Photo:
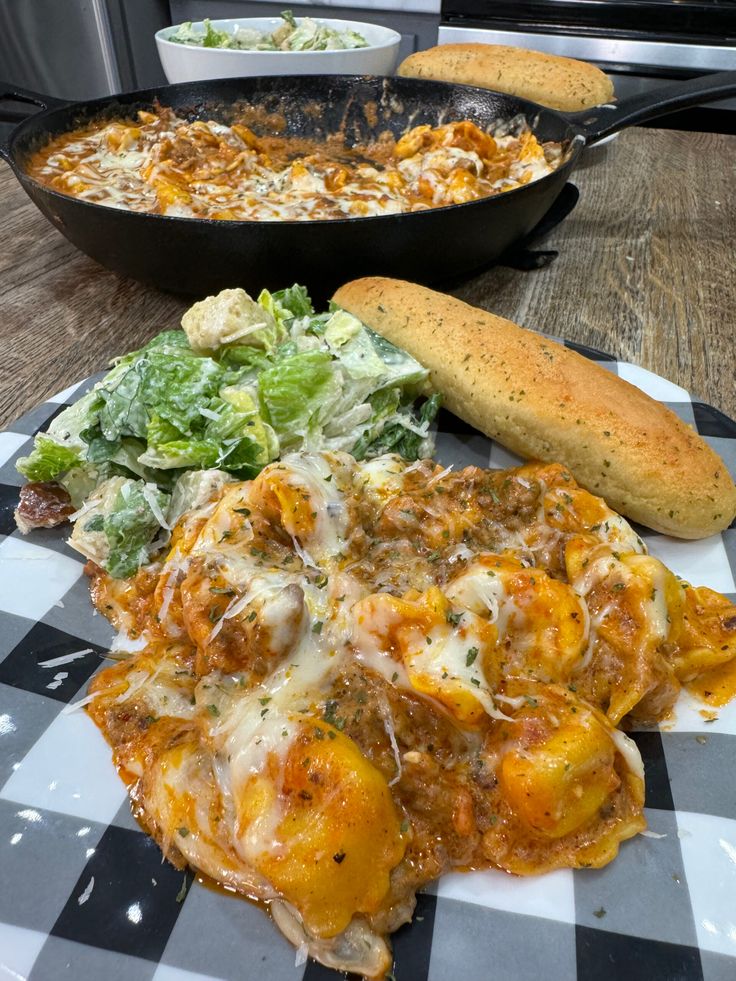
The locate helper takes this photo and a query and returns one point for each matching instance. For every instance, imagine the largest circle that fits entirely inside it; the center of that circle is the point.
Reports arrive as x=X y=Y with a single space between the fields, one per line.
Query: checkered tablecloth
x=84 y=893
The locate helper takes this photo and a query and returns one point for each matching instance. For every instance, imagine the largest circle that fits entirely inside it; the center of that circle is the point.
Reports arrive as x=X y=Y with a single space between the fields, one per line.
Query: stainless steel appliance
x=641 y=44
x=80 y=49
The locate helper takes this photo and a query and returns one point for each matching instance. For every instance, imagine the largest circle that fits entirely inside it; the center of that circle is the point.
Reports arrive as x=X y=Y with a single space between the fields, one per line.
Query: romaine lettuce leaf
x=400 y=368
x=119 y=456
x=99 y=449
x=69 y=424
x=169 y=341
x=247 y=361
x=383 y=405
x=296 y=391
x=62 y=446
x=244 y=458
x=239 y=417
x=399 y=434
x=118 y=524
x=214 y=38
x=351 y=39
x=341 y=328
x=48 y=459
x=296 y=300
x=285 y=305
x=316 y=324
x=170 y=384
x=160 y=431
x=128 y=460
x=131 y=526
x=182 y=453
x=359 y=358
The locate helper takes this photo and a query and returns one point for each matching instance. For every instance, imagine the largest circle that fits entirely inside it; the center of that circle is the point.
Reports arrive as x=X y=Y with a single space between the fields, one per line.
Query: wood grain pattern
x=645 y=272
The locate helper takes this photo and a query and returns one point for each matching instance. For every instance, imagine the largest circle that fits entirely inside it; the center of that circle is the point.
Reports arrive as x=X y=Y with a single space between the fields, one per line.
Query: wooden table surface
x=645 y=271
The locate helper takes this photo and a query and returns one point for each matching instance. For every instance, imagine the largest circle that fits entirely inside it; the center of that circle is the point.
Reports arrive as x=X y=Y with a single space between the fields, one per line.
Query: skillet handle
x=10 y=116
x=601 y=121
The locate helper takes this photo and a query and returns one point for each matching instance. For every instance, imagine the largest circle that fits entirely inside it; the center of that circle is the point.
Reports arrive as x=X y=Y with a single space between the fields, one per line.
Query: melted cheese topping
x=354 y=676
x=166 y=165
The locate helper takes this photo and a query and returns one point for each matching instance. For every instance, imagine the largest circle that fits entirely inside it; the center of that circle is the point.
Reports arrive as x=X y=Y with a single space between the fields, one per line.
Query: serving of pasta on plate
x=342 y=670
x=351 y=678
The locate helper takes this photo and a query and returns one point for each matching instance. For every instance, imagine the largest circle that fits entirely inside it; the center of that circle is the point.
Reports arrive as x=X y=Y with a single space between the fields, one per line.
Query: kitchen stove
x=641 y=44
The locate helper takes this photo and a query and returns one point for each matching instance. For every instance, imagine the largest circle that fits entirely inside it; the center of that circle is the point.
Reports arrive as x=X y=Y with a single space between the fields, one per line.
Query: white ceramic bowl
x=188 y=63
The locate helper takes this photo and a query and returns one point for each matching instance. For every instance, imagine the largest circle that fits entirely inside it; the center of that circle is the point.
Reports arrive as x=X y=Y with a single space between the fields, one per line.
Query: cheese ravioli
x=165 y=164
x=351 y=678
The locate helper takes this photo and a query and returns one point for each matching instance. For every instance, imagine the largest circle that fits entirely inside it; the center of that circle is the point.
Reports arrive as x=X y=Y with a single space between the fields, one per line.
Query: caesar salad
x=242 y=383
x=305 y=34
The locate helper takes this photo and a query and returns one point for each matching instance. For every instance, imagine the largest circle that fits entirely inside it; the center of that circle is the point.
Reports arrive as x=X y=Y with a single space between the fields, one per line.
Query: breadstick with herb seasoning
x=546 y=402
x=551 y=80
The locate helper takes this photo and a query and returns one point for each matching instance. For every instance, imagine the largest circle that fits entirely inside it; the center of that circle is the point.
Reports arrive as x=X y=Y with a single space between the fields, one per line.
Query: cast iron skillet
x=203 y=256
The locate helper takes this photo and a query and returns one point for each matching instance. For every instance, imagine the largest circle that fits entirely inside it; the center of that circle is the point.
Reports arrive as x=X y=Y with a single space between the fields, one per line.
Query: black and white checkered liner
x=85 y=895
